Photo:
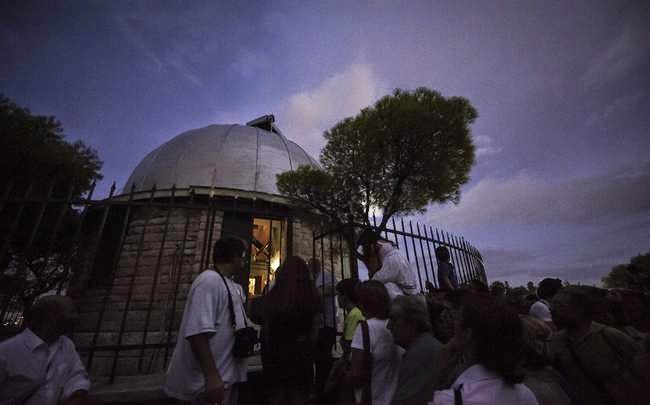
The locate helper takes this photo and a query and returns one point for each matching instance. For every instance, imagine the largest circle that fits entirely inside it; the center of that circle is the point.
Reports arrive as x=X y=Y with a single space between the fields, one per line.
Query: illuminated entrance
x=268 y=250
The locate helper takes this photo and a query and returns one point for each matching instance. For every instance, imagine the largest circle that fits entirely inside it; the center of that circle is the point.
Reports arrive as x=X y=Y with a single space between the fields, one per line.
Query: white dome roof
x=223 y=156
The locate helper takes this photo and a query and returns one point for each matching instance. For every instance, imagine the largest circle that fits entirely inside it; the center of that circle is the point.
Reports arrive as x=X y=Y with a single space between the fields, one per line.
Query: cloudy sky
x=561 y=185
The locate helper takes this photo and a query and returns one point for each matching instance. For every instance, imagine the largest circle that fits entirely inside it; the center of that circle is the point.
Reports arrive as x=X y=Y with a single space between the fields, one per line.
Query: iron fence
x=128 y=261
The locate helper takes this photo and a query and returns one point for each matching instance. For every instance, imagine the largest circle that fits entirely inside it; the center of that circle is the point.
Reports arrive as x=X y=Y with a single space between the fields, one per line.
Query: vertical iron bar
x=178 y=279
x=454 y=254
x=374 y=220
x=116 y=261
x=428 y=243
x=406 y=246
x=459 y=255
x=100 y=231
x=87 y=202
x=212 y=216
x=395 y=233
x=57 y=225
x=147 y=319
x=466 y=259
x=424 y=259
x=451 y=257
x=205 y=232
x=415 y=255
x=436 y=240
x=132 y=281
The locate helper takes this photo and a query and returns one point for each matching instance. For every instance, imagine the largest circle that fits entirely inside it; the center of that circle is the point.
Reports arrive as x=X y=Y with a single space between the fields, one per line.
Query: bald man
x=40 y=365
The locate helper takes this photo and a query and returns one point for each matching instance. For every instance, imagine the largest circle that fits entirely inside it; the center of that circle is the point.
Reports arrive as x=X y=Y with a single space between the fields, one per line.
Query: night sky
x=561 y=186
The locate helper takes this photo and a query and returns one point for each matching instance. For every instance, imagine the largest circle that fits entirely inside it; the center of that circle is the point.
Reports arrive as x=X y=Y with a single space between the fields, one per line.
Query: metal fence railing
x=128 y=261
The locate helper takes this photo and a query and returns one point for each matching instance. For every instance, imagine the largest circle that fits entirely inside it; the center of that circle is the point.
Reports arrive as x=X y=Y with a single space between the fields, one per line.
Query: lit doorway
x=268 y=250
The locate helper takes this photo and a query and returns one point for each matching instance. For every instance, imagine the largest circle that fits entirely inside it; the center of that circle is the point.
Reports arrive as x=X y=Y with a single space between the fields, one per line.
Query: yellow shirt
x=351 y=321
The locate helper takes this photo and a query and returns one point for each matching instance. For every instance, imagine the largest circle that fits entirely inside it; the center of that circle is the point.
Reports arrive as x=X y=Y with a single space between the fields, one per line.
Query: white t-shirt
x=480 y=386
x=206 y=311
x=386 y=357
x=35 y=373
x=541 y=310
x=395 y=272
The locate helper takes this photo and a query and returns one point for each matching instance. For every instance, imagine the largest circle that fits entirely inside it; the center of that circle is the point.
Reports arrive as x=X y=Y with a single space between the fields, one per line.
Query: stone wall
x=303 y=242
x=158 y=261
x=156 y=266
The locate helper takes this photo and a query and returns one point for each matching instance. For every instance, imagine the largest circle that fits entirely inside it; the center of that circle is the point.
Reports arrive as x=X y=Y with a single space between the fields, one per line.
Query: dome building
x=201 y=185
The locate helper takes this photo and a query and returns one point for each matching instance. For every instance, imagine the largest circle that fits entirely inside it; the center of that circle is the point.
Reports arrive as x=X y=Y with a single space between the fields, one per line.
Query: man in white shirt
x=203 y=369
x=546 y=290
x=387 y=265
x=40 y=366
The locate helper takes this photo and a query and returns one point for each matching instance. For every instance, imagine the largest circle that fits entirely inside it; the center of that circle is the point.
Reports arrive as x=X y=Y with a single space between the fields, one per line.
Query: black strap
x=230 y=304
x=366 y=395
x=458 y=396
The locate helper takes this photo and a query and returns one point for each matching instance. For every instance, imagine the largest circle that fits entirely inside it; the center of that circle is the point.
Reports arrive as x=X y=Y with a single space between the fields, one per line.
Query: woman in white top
x=490 y=335
x=383 y=370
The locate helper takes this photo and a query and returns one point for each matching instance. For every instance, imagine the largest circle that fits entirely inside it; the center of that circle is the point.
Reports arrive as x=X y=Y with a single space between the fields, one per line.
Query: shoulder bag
x=246 y=338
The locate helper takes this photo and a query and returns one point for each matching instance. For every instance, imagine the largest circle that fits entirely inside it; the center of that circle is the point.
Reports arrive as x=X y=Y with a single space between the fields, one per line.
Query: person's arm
x=77 y=384
x=204 y=303
x=214 y=388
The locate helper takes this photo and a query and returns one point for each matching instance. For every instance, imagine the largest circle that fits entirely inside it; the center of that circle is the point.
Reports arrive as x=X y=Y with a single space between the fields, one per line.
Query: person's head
x=314 y=266
x=346 y=293
x=572 y=306
x=498 y=289
x=294 y=289
x=369 y=242
x=228 y=255
x=408 y=319
x=374 y=300
x=492 y=334
x=442 y=254
x=548 y=288
x=370 y=247
x=52 y=316
x=477 y=286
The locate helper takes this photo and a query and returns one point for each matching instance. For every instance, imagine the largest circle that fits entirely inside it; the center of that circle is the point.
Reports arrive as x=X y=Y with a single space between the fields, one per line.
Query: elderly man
x=40 y=366
x=409 y=323
x=387 y=265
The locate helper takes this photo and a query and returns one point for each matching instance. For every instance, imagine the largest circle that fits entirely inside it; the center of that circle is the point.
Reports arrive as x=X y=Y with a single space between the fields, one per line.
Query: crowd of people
x=453 y=344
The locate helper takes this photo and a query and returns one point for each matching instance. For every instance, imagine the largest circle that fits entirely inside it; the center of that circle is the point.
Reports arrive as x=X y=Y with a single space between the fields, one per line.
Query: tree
x=37 y=164
x=634 y=275
x=408 y=150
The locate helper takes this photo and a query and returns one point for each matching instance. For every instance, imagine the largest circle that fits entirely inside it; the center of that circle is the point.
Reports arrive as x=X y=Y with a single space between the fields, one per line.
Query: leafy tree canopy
x=33 y=151
x=408 y=150
x=634 y=275
x=37 y=248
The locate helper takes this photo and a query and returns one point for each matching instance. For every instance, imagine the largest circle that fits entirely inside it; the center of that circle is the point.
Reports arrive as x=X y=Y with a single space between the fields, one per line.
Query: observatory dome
x=242 y=157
